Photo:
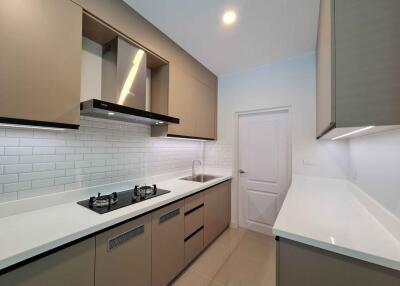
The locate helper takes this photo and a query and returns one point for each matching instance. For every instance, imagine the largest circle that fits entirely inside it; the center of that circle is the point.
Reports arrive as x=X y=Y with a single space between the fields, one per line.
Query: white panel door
x=264 y=168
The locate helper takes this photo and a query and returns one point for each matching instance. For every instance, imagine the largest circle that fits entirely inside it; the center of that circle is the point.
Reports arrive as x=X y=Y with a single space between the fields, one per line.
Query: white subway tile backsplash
x=5 y=197
x=41 y=175
x=18 y=151
x=44 y=166
x=8 y=160
x=82 y=164
x=65 y=150
x=41 y=158
x=65 y=165
x=37 y=162
x=19 y=132
x=10 y=178
x=42 y=183
x=17 y=168
x=44 y=150
x=15 y=187
x=6 y=141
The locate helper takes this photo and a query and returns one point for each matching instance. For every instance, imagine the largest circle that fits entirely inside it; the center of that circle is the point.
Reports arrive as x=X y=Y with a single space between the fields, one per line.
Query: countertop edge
x=339 y=249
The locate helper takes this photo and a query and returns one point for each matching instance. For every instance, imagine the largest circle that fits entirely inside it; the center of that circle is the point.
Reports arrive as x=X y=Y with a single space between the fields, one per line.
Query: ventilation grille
x=122 y=238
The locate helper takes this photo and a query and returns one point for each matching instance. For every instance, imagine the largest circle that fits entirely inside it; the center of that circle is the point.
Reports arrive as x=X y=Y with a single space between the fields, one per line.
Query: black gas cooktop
x=107 y=203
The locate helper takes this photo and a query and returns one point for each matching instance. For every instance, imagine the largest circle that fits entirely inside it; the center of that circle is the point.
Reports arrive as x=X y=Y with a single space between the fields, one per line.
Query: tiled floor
x=237 y=258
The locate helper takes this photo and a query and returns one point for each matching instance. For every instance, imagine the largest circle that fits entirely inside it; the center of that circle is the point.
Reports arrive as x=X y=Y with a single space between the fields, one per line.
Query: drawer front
x=194 y=201
x=193 y=246
x=194 y=220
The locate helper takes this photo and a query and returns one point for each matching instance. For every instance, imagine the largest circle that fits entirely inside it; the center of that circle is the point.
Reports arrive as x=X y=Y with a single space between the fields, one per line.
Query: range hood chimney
x=123 y=87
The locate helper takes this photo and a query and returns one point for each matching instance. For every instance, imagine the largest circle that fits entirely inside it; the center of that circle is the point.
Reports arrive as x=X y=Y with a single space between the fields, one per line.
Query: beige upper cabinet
x=191 y=91
x=358 y=67
x=40 y=77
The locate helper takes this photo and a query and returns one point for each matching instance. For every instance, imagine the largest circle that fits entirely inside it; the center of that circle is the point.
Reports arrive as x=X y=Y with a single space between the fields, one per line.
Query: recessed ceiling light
x=229 y=17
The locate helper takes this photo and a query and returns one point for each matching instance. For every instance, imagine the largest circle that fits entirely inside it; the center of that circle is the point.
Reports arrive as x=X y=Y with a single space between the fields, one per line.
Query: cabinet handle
x=125 y=237
x=194 y=209
x=170 y=215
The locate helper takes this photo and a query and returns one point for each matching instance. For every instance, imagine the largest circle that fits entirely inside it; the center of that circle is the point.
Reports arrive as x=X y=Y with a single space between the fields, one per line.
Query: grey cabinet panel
x=358 y=66
x=71 y=266
x=367 y=62
x=41 y=60
x=123 y=254
x=325 y=68
x=167 y=243
x=300 y=264
x=216 y=211
x=210 y=215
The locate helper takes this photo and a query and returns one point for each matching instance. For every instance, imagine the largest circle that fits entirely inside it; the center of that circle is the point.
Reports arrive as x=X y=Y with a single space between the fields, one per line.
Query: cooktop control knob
x=154 y=189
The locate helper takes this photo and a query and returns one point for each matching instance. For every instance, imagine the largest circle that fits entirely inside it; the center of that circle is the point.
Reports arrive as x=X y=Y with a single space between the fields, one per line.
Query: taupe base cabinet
x=150 y=250
x=71 y=266
x=302 y=265
x=123 y=254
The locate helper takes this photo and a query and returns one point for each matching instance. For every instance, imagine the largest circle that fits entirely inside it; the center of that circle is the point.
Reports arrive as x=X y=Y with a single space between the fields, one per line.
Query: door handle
x=241 y=171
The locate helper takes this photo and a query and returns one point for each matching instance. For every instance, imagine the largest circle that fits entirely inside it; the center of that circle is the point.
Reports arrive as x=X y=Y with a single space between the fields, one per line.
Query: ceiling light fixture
x=229 y=17
x=353 y=132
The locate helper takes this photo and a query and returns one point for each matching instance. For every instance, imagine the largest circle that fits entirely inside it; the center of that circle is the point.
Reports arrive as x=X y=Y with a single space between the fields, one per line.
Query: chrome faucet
x=193 y=165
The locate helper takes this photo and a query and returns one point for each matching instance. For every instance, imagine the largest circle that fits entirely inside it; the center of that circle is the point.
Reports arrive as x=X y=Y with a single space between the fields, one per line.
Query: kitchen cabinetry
x=123 y=254
x=167 y=243
x=191 y=91
x=71 y=266
x=300 y=264
x=357 y=66
x=195 y=104
x=41 y=62
x=216 y=211
x=194 y=226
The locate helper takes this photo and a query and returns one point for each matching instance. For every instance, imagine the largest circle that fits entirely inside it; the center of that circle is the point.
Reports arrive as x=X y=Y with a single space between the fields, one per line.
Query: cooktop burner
x=106 y=203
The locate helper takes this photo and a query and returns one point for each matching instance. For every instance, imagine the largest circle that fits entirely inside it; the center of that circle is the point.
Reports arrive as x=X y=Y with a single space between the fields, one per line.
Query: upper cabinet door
x=40 y=62
x=325 y=66
x=205 y=110
x=367 y=42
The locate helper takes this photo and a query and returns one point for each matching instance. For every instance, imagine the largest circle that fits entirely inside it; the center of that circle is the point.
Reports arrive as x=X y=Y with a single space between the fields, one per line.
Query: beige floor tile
x=240 y=270
x=238 y=257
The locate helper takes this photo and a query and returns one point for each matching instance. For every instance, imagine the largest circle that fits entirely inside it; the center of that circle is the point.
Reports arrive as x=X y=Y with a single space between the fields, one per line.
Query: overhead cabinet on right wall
x=358 y=67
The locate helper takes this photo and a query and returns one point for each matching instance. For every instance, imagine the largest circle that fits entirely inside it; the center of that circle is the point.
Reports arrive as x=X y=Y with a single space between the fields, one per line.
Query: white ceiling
x=265 y=31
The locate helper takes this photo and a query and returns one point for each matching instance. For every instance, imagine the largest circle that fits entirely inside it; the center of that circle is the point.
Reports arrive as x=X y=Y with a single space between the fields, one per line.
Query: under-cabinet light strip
x=30 y=126
x=353 y=132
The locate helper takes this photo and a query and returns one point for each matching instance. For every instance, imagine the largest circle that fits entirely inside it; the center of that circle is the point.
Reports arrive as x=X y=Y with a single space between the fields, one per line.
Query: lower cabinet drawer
x=194 y=220
x=194 y=245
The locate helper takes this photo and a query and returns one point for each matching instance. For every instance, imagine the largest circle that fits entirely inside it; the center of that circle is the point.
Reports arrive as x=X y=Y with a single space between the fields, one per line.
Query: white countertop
x=335 y=215
x=24 y=235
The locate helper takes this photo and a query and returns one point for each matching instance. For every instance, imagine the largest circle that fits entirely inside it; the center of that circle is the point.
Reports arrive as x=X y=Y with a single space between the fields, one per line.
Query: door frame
x=236 y=177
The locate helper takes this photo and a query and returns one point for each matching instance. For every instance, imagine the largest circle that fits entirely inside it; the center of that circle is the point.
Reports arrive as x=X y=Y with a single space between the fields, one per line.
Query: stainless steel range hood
x=123 y=87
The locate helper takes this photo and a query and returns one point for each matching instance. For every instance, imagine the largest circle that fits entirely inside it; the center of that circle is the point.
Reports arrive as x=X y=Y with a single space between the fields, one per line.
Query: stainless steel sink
x=202 y=178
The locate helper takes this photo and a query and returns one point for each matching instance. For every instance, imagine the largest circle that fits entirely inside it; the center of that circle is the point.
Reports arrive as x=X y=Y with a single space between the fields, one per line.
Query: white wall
x=286 y=83
x=375 y=167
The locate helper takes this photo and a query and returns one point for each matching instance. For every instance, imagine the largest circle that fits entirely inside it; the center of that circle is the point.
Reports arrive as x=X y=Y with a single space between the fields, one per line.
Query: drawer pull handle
x=194 y=233
x=194 y=209
x=170 y=215
x=124 y=237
